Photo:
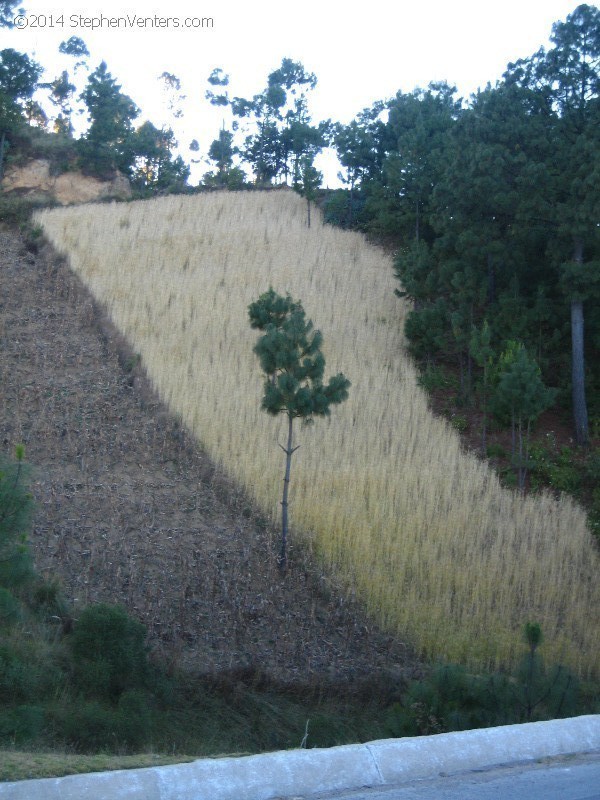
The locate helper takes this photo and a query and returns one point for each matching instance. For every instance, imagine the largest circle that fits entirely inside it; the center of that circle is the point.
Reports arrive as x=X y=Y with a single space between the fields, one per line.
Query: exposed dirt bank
x=34 y=178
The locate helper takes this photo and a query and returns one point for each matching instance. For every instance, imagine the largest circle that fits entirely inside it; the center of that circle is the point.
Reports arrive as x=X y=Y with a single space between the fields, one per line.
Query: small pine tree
x=539 y=692
x=521 y=394
x=290 y=356
x=309 y=181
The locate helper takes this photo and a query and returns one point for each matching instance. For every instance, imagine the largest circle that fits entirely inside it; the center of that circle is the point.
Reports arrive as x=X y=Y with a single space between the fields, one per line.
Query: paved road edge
x=304 y=772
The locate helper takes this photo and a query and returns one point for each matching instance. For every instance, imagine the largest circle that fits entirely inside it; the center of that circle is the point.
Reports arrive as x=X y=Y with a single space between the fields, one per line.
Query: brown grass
x=431 y=543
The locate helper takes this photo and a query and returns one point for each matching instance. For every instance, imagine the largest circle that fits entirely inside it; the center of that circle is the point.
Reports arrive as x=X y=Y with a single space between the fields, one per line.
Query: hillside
x=131 y=510
x=420 y=531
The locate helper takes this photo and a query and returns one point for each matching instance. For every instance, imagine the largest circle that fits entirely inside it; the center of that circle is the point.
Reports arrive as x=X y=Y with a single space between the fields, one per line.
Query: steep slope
x=131 y=510
x=420 y=530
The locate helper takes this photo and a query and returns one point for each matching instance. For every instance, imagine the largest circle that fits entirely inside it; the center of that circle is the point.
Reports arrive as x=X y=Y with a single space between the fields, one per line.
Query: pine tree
x=19 y=77
x=150 y=151
x=309 y=180
x=106 y=146
x=419 y=129
x=538 y=690
x=290 y=356
x=521 y=394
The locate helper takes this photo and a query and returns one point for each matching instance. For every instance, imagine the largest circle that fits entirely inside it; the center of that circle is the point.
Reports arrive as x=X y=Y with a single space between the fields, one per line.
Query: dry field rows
x=421 y=531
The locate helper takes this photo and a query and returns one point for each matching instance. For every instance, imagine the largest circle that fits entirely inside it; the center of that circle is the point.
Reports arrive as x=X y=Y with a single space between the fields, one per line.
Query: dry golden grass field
x=422 y=531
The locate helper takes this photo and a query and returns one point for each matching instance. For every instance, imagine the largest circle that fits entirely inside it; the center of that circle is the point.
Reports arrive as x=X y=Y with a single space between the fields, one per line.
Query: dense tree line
x=495 y=209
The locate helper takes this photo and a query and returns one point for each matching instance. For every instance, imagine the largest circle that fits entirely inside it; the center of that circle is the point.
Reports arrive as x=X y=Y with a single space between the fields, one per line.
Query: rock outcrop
x=34 y=178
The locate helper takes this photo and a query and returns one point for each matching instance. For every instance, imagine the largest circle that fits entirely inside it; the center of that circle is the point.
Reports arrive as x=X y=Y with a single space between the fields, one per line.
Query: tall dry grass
x=420 y=530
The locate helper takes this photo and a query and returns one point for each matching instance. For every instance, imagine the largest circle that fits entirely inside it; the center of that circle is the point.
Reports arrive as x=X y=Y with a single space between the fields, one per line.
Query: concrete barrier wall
x=304 y=772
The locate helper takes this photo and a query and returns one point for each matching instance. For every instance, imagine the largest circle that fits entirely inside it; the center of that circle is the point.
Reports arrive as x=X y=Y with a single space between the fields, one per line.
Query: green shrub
x=555 y=469
x=434 y=377
x=31 y=142
x=340 y=210
x=20 y=724
x=46 y=600
x=15 y=516
x=459 y=422
x=135 y=718
x=451 y=699
x=132 y=362
x=324 y=730
x=508 y=477
x=17 y=680
x=29 y=672
x=89 y=727
x=592 y=468
x=92 y=726
x=425 y=331
x=17 y=210
x=10 y=608
x=594 y=513
x=108 y=651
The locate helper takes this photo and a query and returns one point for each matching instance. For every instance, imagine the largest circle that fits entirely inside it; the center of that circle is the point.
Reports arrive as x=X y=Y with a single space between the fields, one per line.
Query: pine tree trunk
x=417 y=223
x=2 y=146
x=580 y=414
x=484 y=431
x=284 y=502
x=520 y=470
x=308 y=210
x=529 y=704
x=491 y=276
x=526 y=461
x=512 y=434
x=469 y=373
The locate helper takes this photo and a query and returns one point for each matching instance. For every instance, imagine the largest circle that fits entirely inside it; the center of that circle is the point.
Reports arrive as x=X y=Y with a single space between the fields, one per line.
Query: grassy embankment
x=436 y=549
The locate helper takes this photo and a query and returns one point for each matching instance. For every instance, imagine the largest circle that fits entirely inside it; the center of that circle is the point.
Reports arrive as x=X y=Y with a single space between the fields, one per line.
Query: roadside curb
x=305 y=772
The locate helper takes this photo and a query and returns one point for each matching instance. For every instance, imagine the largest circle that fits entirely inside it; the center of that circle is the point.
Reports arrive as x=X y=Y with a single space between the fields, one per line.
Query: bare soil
x=130 y=510
x=34 y=178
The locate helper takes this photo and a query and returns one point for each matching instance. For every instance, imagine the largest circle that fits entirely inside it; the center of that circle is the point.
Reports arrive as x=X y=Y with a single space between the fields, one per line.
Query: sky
x=360 y=53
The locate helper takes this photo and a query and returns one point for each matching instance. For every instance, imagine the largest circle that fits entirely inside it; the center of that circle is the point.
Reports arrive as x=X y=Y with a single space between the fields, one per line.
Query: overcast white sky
x=360 y=53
